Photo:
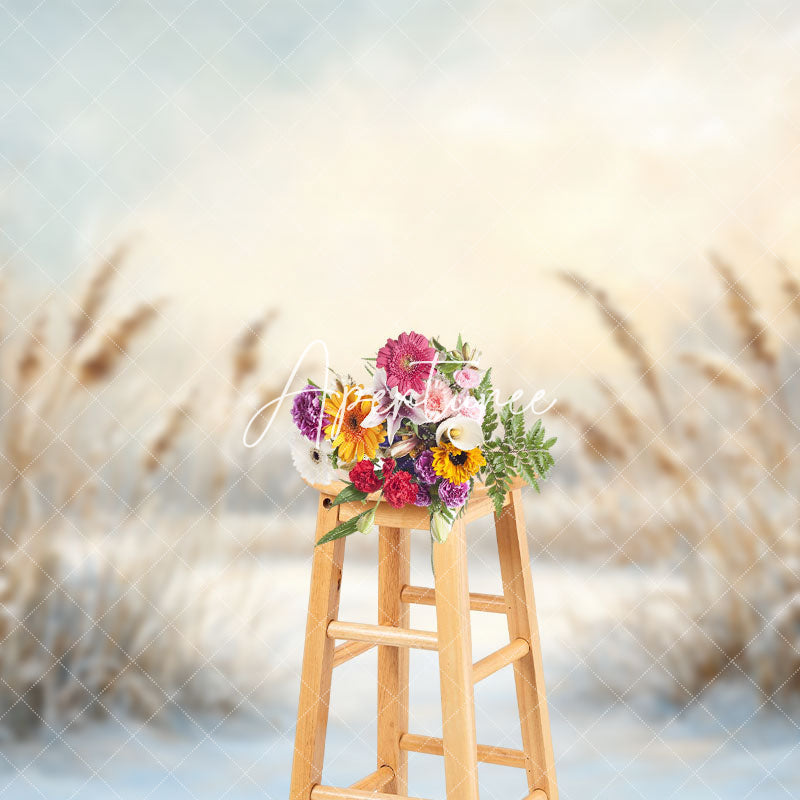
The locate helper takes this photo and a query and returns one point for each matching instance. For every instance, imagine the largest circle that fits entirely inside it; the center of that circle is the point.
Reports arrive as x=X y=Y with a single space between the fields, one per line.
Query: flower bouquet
x=422 y=435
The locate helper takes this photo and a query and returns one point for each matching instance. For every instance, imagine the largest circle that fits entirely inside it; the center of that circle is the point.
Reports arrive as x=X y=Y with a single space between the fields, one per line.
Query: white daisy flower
x=312 y=462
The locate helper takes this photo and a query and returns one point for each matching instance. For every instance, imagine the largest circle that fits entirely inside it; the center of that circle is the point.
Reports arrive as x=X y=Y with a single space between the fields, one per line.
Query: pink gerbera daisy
x=407 y=361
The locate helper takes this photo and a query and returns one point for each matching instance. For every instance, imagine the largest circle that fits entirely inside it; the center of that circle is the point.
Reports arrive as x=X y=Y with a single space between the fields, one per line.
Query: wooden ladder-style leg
x=394 y=572
x=315 y=682
x=455 y=666
x=512 y=545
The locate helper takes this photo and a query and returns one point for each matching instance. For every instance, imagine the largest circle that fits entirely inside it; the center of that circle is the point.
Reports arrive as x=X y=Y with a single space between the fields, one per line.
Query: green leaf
x=448 y=369
x=344 y=529
x=348 y=495
x=498 y=494
x=486 y=396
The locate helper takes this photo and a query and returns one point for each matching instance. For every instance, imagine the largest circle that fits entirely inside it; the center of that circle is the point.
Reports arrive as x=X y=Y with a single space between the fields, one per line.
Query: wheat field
x=698 y=473
x=112 y=602
x=105 y=604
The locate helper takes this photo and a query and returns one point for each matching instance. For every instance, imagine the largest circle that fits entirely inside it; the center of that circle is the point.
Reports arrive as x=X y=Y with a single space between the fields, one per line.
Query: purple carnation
x=423 y=466
x=454 y=495
x=306 y=411
x=423 y=498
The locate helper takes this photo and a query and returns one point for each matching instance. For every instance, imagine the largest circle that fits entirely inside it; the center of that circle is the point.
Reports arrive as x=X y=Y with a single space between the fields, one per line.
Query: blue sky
x=262 y=148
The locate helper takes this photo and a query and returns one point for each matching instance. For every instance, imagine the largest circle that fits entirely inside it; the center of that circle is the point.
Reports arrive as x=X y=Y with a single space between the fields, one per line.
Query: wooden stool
x=392 y=636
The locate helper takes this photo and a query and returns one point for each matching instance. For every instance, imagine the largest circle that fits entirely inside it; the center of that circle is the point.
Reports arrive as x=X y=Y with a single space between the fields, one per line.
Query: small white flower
x=463 y=432
x=313 y=463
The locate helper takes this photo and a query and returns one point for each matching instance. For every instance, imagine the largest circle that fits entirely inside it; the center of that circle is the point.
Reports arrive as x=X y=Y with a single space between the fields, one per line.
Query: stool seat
x=478 y=488
x=394 y=639
x=411 y=517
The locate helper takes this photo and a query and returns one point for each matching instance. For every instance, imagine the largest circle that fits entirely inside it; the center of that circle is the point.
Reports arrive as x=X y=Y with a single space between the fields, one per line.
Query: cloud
x=443 y=196
x=370 y=171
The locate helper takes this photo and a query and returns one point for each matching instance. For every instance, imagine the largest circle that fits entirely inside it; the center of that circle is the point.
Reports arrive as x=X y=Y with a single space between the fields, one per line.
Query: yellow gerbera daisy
x=346 y=411
x=457 y=466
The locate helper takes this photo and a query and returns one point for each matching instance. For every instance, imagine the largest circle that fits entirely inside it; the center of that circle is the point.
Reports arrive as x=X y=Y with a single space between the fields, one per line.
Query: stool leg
x=455 y=666
x=315 y=681
x=393 y=575
x=512 y=545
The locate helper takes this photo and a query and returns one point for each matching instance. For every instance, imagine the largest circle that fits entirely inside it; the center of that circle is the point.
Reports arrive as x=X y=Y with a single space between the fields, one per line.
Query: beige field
x=132 y=553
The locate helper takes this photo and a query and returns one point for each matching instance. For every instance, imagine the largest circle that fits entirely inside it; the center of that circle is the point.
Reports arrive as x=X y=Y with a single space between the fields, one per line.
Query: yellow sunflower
x=346 y=411
x=457 y=466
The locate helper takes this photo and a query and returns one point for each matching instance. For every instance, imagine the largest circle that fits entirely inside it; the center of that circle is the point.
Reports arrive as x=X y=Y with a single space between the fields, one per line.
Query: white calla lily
x=463 y=432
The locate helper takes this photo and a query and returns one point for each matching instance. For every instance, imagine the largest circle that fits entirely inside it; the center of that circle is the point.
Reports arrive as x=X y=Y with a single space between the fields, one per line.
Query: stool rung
x=537 y=795
x=375 y=781
x=419 y=595
x=383 y=634
x=344 y=652
x=512 y=652
x=332 y=793
x=504 y=756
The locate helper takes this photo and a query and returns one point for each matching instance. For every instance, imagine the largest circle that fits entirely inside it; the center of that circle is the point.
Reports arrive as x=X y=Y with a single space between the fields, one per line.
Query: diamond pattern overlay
x=526 y=164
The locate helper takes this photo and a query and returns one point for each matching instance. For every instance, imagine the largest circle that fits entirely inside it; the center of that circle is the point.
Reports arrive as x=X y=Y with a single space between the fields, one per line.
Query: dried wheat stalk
x=598 y=444
x=166 y=438
x=31 y=357
x=791 y=287
x=246 y=352
x=92 y=630
x=746 y=314
x=100 y=364
x=96 y=293
x=723 y=373
x=626 y=338
x=631 y=425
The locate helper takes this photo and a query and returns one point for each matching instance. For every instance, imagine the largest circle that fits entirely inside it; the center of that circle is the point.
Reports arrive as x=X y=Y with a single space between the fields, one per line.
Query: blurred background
x=602 y=195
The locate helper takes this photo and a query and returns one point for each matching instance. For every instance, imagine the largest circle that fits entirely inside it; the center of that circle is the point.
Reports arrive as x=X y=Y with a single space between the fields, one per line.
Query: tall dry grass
x=106 y=601
x=700 y=473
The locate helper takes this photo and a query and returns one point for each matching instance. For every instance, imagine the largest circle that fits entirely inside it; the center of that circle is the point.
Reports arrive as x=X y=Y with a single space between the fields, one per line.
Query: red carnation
x=399 y=490
x=364 y=478
x=388 y=467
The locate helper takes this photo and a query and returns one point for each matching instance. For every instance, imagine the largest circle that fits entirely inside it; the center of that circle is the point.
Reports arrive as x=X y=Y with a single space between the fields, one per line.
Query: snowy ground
x=718 y=748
